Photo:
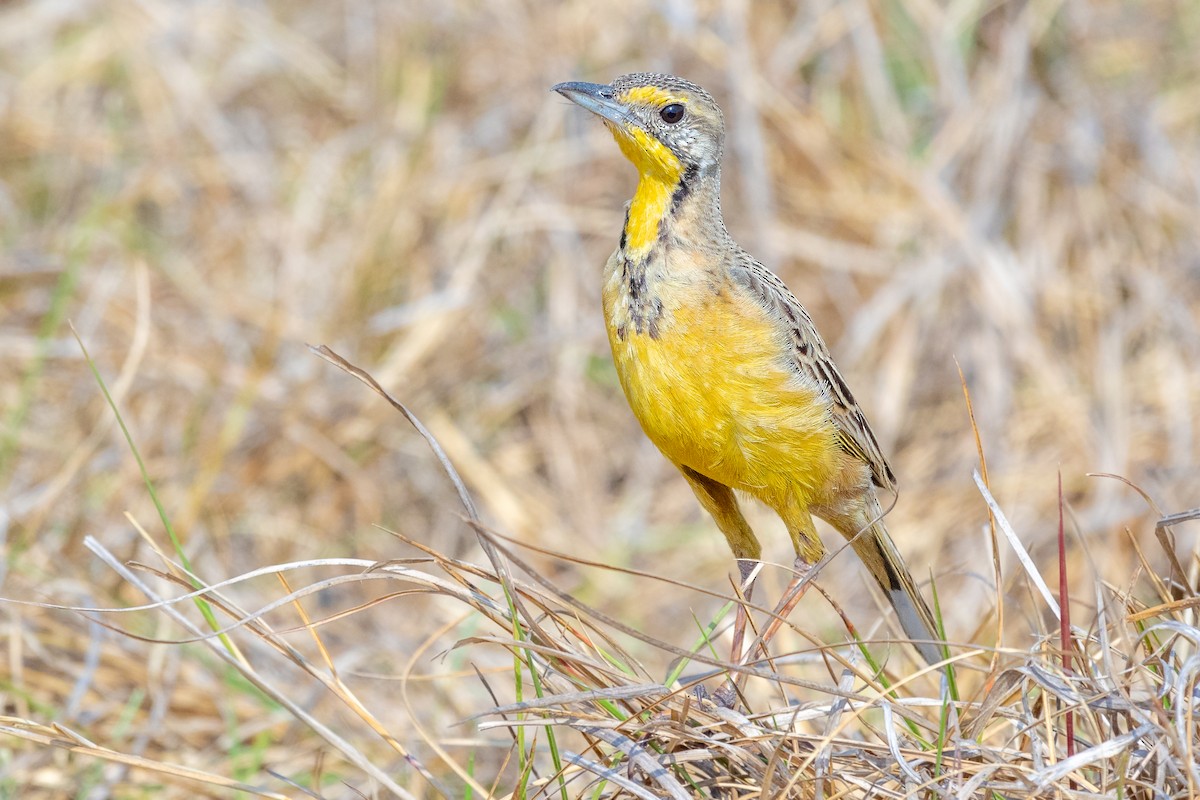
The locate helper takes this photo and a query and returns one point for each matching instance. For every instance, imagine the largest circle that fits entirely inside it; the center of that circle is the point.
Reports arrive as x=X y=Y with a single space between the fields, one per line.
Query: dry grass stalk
x=199 y=189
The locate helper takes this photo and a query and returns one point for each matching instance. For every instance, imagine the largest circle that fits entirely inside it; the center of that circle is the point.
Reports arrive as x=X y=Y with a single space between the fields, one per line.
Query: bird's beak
x=597 y=98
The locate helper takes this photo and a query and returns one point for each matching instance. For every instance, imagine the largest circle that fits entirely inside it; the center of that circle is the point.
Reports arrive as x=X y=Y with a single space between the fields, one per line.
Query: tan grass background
x=201 y=189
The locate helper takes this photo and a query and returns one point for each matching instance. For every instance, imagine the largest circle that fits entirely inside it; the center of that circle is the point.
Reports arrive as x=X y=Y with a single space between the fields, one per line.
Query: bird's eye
x=672 y=113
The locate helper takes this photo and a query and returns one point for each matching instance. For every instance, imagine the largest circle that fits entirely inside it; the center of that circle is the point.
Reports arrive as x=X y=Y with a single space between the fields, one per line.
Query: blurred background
x=200 y=189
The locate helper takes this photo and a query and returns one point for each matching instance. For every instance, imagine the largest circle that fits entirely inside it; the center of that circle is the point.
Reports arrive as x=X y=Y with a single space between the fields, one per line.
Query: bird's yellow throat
x=659 y=171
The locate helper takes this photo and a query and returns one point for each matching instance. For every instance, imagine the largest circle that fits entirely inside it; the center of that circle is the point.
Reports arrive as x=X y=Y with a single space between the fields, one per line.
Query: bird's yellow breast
x=713 y=388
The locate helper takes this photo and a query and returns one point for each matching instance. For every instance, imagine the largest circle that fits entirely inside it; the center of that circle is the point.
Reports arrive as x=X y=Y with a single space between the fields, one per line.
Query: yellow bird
x=721 y=365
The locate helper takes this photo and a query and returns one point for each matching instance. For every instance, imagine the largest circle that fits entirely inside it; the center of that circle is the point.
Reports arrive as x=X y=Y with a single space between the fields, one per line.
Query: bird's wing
x=811 y=357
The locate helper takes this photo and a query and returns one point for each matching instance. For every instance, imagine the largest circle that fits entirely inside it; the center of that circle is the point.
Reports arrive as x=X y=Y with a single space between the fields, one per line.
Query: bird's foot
x=727 y=696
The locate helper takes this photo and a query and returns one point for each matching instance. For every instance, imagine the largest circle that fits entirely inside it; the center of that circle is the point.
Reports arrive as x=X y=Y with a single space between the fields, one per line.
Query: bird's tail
x=878 y=552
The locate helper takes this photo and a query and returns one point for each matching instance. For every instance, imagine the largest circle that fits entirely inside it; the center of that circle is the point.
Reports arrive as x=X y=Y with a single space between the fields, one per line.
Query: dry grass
x=200 y=189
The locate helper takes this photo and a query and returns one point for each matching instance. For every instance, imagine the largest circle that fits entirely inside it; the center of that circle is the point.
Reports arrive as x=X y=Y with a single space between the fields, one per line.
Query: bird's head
x=667 y=126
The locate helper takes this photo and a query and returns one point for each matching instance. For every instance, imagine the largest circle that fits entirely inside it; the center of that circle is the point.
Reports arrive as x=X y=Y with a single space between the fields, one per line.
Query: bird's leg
x=720 y=501
x=727 y=694
x=809 y=550
x=791 y=596
x=787 y=602
x=748 y=569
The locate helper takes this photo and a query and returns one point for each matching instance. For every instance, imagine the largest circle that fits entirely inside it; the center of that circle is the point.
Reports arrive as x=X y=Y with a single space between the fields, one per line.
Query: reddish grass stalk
x=1065 y=618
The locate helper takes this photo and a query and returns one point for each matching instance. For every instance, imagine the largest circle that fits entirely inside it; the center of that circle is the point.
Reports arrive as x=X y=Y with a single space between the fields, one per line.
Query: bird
x=721 y=364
